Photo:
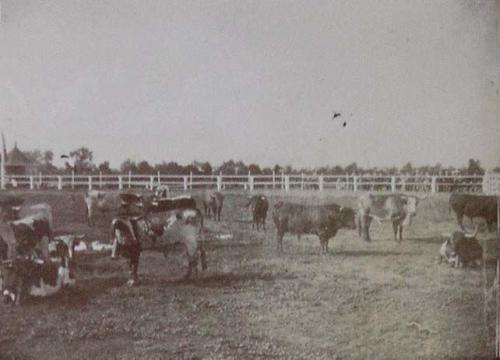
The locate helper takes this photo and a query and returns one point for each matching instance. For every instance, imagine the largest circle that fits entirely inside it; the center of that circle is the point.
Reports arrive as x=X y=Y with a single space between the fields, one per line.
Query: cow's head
x=347 y=217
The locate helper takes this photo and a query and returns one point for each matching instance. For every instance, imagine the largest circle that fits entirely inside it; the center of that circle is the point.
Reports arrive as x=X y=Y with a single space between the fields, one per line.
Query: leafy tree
x=254 y=169
x=83 y=160
x=128 y=165
x=104 y=168
x=407 y=168
x=474 y=167
x=351 y=168
x=144 y=168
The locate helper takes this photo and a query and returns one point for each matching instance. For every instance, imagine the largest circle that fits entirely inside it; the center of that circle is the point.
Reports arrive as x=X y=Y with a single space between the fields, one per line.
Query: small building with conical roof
x=18 y=164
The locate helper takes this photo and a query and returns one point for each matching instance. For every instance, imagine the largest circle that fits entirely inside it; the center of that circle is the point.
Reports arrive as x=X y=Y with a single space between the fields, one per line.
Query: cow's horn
x=473 y=235
x=80 y=236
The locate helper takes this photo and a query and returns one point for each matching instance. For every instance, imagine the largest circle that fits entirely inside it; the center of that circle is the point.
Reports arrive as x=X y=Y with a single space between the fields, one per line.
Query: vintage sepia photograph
x=249 y=179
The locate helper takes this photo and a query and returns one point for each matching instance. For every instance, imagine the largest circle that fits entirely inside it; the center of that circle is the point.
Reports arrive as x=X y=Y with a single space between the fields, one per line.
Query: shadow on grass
x=84 y=291
x=427 y=240
x=214 y=280
x=355 y=253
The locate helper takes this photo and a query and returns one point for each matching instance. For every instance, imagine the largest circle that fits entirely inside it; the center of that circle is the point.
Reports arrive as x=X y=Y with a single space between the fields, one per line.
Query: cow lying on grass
x=323 y=221
x=23 y=277
x=461 y=249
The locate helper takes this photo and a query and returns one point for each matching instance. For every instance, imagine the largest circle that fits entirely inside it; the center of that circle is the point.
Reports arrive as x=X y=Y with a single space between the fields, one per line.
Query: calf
x=462 y=249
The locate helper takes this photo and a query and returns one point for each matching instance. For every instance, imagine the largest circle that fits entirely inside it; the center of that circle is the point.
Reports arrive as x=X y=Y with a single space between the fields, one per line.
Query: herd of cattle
x=37 y=263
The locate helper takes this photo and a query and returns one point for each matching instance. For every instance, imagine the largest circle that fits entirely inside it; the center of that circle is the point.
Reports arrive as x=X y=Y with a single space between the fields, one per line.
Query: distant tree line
x=84 y=164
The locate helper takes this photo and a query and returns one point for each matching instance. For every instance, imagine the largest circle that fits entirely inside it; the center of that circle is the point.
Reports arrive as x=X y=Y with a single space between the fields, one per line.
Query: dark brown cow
x=472 y=206
x=259 y=205
x=323 y=221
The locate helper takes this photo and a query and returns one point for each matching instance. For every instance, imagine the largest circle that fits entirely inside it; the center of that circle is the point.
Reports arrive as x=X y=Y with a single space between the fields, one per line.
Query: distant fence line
x=391 y=183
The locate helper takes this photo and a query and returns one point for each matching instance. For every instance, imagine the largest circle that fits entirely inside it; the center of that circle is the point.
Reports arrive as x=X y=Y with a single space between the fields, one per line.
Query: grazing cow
x=397 y=208
x=22 y=277
x=258 y=205
x=213 y=201
x=132 y=234
x=323 y=221
x=474 y=206
x=462 y=248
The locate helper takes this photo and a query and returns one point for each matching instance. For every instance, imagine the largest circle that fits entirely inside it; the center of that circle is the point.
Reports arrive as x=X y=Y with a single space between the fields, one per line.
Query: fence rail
x=420 y=183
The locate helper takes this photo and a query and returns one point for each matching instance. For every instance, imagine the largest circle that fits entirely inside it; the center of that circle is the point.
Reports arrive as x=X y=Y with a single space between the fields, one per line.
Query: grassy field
x=378 y=300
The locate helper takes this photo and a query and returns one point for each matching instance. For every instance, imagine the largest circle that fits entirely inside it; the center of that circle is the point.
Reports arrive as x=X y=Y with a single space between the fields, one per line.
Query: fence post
x=250 y=182
x=185 y=182
x=302 y=181
x=120 y=182
x=40 y=179
x=486 y=183
x=191 y=180
x=32 y=182
x=287 y=183
x=393 y=183
x=274 y=179
x=219 y=181
x=159 y=178
x=433 y=184
x=2 y=171
x=129 y=178
x=282 y=179
x=152 y=182
x=355 y=182
x=59 y=182
x=72 y=179
x=90 y=182
x=100 y=179
x=320 y=182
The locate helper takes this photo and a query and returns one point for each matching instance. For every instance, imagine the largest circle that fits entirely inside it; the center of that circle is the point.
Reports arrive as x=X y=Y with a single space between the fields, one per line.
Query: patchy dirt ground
x=379 y=300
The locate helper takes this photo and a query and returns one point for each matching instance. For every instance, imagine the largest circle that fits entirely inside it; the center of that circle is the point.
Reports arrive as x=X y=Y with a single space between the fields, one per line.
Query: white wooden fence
x=286 y=182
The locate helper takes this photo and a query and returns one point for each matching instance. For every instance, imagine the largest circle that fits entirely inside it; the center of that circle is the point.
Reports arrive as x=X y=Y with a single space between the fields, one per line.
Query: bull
x=259 y=205
x=323 y=221
x=472 y=206
x=396 y=208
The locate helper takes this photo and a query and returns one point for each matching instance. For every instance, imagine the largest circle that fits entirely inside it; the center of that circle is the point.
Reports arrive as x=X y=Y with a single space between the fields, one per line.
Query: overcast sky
x=256 y=81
